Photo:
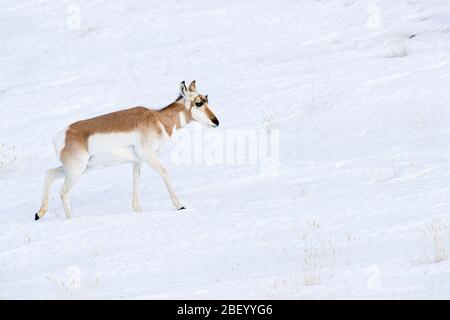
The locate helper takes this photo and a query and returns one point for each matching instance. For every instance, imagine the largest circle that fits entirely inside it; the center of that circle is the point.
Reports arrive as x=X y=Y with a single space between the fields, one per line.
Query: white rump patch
x=59 y=141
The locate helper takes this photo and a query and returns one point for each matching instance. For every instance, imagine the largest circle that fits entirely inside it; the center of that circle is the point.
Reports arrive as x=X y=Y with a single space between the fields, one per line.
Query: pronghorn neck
x=175 y=116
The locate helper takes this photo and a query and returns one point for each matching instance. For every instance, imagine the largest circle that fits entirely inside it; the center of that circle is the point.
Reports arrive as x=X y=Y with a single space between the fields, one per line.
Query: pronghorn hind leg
x=75 y=167
x=136 y=175
x=51 y=176
x=153 y=161
x=69 y=182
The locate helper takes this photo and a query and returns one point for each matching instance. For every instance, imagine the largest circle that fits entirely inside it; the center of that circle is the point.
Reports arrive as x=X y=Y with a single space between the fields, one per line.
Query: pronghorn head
x=197 y=105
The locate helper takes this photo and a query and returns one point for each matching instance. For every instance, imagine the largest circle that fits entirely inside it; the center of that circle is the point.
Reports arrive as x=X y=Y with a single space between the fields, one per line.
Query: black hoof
x=36 y=217
x=182 y=208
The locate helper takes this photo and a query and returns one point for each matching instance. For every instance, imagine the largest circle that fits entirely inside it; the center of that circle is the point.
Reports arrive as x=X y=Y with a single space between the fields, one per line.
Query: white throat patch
x=182 y=117
x=187 y=104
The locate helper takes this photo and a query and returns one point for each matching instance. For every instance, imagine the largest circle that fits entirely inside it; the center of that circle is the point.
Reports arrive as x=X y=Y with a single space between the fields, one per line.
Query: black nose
x=216 y=122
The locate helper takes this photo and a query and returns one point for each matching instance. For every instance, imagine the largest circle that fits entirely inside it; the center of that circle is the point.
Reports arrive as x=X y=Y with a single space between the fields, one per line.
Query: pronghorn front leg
x=136 y=175
x=153 y=161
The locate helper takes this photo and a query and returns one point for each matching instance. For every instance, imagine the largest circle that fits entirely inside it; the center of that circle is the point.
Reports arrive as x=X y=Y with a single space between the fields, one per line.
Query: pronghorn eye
x=199 y=104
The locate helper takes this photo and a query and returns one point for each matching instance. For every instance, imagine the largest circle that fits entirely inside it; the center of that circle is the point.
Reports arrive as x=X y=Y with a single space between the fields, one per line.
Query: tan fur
x=169 y=116
x=138 y=119
x=209 y=113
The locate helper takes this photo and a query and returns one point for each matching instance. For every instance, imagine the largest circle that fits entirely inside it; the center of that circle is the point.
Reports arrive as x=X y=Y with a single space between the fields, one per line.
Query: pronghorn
x=132 y=135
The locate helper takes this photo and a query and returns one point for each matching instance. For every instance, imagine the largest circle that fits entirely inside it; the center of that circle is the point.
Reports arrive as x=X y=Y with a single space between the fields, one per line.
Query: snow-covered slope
x=359 y=94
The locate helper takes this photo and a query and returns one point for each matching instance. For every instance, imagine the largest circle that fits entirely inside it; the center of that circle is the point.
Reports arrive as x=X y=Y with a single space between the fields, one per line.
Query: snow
x=357 y=91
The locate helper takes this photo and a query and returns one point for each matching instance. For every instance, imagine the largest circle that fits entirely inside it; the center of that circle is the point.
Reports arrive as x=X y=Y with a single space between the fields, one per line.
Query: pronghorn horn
x=192 y=87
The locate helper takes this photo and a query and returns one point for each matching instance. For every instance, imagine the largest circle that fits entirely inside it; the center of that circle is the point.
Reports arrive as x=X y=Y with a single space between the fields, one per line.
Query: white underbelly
x=113 y=148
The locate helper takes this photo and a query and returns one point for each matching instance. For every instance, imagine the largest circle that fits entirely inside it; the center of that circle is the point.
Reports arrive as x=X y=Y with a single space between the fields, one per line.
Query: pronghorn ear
x=192 y=87
x=183 y=89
